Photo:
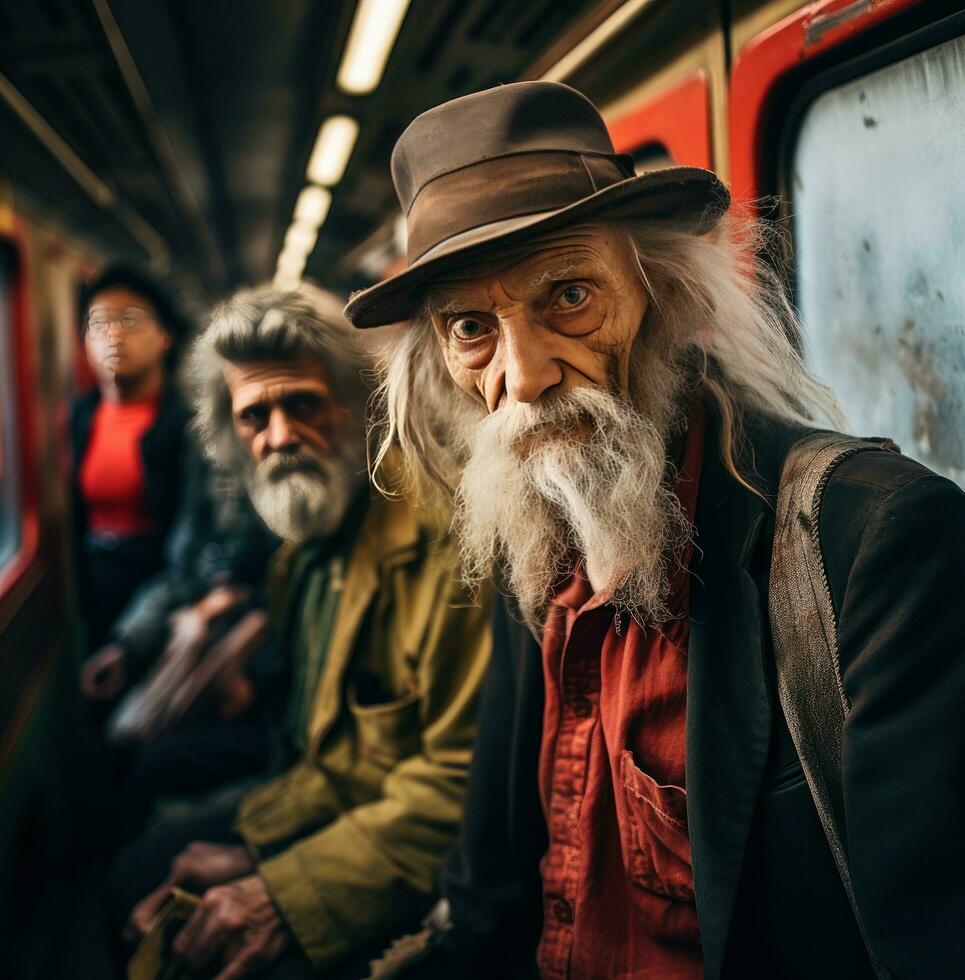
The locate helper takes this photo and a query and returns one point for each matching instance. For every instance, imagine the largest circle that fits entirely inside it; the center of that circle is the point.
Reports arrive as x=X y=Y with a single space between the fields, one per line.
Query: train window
x=10 y=506
x=879 y=223
x=651 y=156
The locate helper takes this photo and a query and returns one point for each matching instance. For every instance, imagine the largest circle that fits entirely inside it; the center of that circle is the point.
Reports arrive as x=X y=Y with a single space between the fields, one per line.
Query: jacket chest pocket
x=656 y=851
x=387 y=732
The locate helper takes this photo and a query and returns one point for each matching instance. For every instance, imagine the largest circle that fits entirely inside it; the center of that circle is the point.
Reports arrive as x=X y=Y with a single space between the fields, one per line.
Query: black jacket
x=216 y=538
x=769 y=900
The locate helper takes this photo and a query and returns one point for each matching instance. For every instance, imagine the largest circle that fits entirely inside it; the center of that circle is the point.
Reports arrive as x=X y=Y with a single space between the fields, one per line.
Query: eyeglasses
x=130 y=320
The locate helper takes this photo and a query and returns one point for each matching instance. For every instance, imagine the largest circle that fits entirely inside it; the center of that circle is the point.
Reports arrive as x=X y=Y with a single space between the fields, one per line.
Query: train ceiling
x=180 y=130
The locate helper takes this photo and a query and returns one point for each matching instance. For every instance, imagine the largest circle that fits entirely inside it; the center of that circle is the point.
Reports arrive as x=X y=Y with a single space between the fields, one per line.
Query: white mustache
x=565 y=412
x=280 y=465
x=589 y=486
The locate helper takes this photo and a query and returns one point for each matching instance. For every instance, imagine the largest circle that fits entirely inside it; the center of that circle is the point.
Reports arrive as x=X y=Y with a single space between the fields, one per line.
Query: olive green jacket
x=349 y=840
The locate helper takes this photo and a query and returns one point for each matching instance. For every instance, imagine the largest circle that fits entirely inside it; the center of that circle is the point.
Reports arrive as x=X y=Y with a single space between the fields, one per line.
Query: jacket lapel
x=728 y=709
x=389 y=536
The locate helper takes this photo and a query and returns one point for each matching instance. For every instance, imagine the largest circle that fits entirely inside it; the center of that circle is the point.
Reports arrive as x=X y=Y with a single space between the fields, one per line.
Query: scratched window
x=878 y=198
x=9 y=469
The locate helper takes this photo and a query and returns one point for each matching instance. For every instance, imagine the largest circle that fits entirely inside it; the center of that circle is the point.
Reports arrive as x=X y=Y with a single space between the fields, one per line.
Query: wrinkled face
x=559 y=314
x=284 y=407
x=565 y=470
x=123 y=336
x=305 y=454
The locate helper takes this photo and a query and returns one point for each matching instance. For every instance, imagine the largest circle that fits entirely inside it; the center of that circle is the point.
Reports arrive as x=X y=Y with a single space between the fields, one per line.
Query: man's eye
x=254 y=417
x=573 y=296
x=467 y=329
x=304 y=407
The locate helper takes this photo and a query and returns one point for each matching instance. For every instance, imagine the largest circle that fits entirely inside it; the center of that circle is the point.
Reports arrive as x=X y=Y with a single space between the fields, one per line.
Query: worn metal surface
x=879 y=216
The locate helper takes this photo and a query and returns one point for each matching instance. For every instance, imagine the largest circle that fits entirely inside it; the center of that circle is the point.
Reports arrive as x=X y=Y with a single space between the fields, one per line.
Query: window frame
x=17 y=575
x=780 y=71
x=889 y=53
x=677 y=118
x=916 y=42
x=813 y=39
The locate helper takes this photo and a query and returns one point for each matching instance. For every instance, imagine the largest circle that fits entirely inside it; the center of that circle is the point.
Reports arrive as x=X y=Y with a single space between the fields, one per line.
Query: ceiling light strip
x=333 y=147
x=312 y=206
x=371 y=37
x=301 y=237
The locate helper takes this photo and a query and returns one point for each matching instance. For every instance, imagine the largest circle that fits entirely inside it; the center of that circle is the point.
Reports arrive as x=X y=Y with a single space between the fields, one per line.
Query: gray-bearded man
x=386 y=654
x=598 y=374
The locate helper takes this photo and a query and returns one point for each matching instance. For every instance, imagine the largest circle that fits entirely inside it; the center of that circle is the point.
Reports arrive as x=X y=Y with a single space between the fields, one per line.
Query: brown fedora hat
x=509 y=163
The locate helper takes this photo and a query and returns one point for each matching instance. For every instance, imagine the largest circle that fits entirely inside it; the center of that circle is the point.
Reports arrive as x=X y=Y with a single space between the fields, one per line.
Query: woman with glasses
x=128 y=442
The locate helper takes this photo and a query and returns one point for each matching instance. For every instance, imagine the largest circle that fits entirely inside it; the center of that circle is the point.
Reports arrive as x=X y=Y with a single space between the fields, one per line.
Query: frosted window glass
x=878 y=186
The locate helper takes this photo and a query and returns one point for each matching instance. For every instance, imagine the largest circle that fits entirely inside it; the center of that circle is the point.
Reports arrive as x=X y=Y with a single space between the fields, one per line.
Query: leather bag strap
x=805 y=637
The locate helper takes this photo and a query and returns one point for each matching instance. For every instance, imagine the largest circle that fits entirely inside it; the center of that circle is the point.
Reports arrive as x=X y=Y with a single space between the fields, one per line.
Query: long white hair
x=594 y=491
x=721 y=308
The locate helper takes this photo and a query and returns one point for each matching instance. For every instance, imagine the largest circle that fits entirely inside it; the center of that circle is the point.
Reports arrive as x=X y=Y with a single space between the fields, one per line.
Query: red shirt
x=112 y=472
x=618 y=891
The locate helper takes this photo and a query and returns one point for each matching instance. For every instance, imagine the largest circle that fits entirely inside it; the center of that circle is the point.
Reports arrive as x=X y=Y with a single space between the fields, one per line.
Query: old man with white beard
x=386 y=653
x=721 y=733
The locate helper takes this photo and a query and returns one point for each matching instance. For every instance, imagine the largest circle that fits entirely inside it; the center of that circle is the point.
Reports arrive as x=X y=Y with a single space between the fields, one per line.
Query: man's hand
x=235 y=925
x=102 y=676
x=189 y=625
x=221 y=670
x=219 y=600
x=197 y=867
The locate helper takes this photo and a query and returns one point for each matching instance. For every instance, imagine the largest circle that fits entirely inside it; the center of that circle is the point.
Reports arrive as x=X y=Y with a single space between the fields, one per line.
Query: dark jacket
x=769 y=900
x=216 y=538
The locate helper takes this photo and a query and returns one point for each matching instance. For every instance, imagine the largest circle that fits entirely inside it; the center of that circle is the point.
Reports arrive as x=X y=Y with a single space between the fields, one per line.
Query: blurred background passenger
x=386 y=653
x=193 y=651
x=127 y=447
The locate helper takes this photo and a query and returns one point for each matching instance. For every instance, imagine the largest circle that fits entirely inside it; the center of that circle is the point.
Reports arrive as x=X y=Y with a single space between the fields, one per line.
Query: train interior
x=224 y=144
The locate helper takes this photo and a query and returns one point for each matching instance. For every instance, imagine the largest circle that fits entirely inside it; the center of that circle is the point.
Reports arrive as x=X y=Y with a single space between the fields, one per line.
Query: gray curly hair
x=269 y=324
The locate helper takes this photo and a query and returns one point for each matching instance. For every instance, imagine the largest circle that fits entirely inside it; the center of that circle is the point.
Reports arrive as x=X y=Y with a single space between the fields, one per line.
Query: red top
x=112 y=472
x=618 y=890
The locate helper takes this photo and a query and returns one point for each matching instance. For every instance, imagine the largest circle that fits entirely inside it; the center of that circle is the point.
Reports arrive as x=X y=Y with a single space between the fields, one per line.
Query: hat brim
x=689 y=196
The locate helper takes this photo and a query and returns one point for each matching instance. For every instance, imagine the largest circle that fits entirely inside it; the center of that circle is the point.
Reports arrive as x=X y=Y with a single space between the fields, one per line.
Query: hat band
x=503 y=188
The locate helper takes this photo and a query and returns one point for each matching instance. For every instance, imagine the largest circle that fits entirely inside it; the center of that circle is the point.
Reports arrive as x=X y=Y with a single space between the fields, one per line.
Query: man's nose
x=529 y=366
x=281 y=433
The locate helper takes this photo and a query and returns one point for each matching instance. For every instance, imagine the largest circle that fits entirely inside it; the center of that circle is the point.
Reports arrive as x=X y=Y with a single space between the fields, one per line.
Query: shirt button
x=562 y=911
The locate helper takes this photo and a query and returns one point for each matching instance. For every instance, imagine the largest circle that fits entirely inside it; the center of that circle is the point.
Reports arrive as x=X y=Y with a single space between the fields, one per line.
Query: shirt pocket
x=388 y=732
x=656 y=851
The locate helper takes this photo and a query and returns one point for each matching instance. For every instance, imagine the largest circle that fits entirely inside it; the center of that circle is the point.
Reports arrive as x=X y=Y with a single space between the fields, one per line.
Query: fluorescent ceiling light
x=301 y=237
x=333 y=147
x=370 y=39
x=312 y=206
x=290 y=264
